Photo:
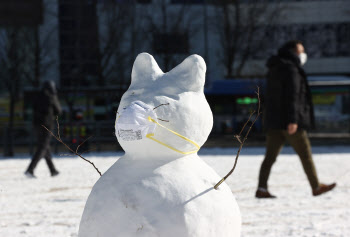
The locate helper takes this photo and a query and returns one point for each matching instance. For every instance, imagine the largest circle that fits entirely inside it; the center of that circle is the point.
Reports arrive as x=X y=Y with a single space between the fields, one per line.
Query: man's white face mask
x=303 y=58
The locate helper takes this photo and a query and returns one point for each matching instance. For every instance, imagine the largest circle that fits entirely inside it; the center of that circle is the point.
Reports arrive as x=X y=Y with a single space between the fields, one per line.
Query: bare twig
x=251 y=115
x=58 y=138
x=163 y=120
x=160 y=105
x=242 y=141
x=76 y=151
x=238 y=139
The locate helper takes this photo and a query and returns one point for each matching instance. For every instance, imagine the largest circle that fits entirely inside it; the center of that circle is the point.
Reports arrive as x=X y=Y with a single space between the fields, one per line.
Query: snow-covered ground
x=52 y=207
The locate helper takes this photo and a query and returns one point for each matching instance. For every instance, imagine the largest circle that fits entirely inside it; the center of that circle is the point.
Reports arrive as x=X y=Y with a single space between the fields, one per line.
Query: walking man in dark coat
x=288 y=113
x=45 y=108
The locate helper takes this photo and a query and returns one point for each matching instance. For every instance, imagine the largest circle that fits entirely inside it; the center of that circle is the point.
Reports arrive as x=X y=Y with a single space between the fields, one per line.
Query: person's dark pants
x=275 y=140
x=42 y=150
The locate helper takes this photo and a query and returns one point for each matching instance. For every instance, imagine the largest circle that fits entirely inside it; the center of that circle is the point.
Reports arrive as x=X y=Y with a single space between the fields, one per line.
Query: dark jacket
x=287 y=97
x=46 y=105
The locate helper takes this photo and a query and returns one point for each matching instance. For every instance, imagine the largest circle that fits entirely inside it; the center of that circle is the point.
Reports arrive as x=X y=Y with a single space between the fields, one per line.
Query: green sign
x=246 y=101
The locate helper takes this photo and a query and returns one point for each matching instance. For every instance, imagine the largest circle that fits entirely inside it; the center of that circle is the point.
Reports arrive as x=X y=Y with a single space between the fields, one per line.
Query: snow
x=53 y=206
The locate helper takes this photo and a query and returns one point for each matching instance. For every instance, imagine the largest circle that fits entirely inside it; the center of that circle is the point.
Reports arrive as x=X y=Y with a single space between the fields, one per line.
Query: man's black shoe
x=263 y=193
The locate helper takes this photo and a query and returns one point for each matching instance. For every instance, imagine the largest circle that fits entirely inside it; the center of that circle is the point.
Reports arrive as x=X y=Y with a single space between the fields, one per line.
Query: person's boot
x=54 y=173
x=30 y=174
x=323 y=188
x=263 y=193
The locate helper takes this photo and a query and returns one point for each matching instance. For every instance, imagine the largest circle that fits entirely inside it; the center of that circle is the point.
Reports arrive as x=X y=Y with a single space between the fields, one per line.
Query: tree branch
x=58 y=138
x=242 y=142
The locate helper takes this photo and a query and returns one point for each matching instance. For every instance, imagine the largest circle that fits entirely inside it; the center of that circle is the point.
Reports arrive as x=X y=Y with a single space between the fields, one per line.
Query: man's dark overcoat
x=287 y=96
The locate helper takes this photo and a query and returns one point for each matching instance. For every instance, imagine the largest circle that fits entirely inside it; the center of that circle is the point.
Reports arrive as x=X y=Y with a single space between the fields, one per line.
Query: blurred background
x=88 y=47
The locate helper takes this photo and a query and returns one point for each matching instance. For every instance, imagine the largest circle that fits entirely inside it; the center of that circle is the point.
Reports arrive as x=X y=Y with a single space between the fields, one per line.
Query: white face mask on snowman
x=139 y=121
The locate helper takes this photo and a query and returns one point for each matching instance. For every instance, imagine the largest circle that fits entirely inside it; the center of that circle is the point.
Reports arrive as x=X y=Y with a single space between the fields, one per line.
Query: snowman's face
x=174 y=99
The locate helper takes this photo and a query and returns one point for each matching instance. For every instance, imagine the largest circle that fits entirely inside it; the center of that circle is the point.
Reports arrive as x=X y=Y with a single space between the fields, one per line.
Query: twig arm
x=58 y=138
x=238 y=137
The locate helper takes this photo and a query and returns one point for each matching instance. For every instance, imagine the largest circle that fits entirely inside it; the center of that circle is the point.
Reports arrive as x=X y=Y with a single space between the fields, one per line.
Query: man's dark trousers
x=275 y=140
x=43 y=149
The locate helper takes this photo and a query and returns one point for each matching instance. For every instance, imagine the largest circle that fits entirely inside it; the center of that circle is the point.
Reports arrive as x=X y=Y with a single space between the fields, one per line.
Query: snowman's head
x=164 y=114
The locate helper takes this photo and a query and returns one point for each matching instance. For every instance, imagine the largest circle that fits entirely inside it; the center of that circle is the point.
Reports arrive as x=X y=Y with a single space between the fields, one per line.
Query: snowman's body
x=160 y=187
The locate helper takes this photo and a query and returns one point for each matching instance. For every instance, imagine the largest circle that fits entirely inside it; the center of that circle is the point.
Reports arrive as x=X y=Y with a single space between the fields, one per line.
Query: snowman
x=161 y=187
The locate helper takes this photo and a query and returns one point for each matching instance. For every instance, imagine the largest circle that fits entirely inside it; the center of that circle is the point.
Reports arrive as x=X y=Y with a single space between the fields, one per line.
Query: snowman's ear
x=190 y=74
x=145 y=69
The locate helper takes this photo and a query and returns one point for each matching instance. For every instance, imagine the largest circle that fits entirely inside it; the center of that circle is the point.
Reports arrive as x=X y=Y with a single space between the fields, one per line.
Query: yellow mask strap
x=150 y=136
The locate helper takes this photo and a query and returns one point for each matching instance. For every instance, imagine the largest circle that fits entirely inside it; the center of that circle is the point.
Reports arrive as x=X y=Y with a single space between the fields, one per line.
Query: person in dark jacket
x=288 y=114
x=45 y=109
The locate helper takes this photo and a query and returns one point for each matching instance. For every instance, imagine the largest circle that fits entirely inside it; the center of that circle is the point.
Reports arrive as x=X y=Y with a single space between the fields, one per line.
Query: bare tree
x=12 y=62
x=115 y=21
x=239 y=26
x=169 y=28
x=40 y=50
x=24 y=64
